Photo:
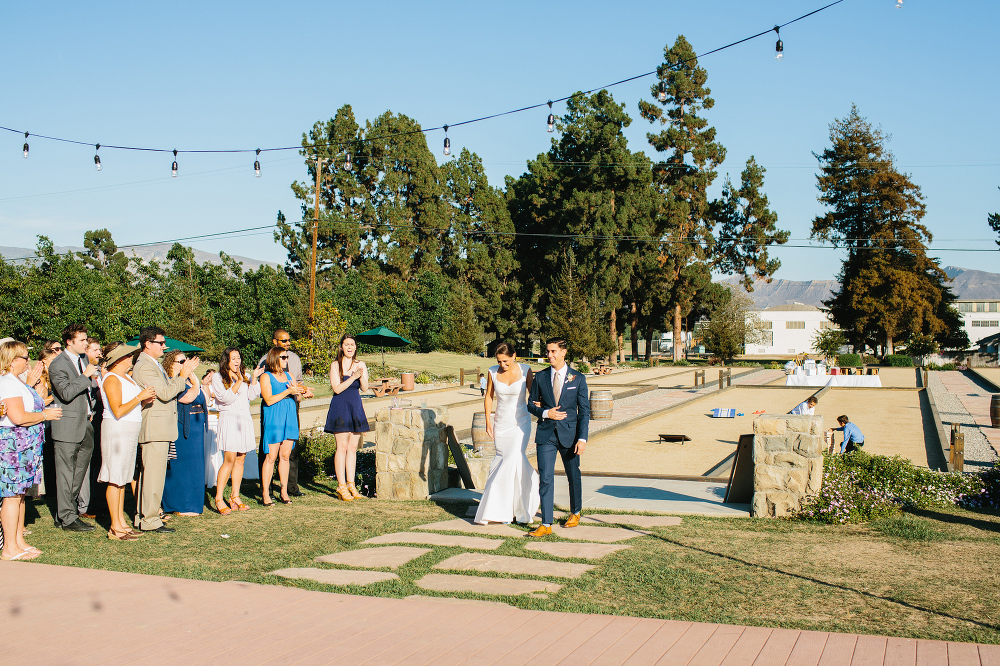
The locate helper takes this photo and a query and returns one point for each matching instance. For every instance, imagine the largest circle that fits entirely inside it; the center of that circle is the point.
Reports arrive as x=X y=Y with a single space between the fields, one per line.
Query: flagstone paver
x=434 y=539
x=483 y=585
x=513 y=565
x=375 y=558
x=336 y=576
x=465 y=602
x=594 y=533
x=639 y=521
x=463 y=525
x=580 y=550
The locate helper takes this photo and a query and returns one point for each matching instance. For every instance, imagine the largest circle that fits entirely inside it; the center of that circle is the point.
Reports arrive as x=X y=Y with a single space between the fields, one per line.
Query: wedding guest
x=233 y=391
x=184 y=487
x=123 y=399
x=21 y=436
x=854 y=439
x=346 y=417
x=281 y=421
x=90 y=486
x=73 y=434
x=283 y=339
x=159 y=424
x=482 y=385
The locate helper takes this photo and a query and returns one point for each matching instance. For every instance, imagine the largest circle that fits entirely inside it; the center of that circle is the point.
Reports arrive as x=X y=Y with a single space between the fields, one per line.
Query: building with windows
x=789 y=329
x=980 y=318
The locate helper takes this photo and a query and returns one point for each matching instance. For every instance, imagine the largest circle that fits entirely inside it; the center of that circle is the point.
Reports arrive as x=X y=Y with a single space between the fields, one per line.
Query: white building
x=980 y=318
x=789 y=329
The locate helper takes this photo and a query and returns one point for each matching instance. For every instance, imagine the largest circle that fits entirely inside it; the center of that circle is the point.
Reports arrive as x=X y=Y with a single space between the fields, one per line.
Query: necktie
x=556 y=387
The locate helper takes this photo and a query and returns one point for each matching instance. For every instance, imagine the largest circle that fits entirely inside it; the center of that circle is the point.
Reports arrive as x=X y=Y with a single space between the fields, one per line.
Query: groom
x=560 y=401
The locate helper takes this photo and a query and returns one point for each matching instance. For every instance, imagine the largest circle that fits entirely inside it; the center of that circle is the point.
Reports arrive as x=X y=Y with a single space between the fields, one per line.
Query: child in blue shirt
x=854 y=439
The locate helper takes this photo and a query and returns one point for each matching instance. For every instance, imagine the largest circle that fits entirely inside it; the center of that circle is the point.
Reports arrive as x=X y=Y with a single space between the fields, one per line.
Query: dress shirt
x=852 y=433
x=803 y=408
x=559 y=377
x=78 y=363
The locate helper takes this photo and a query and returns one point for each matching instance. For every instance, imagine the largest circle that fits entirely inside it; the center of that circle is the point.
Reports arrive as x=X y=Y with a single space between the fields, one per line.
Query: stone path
x=597 y=537
x=960 y=400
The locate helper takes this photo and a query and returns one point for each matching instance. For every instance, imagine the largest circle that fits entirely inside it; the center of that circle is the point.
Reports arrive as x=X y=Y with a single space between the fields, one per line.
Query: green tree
x=188 y=315
x=733 y=325
x=829 y=341
x=318 y=348
x=101 y=250
x=463 y=333
x=890 y=288
x=994 y=220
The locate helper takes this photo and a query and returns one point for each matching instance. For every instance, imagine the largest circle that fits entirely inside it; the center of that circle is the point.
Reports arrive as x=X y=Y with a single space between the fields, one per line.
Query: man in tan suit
x=159 y=424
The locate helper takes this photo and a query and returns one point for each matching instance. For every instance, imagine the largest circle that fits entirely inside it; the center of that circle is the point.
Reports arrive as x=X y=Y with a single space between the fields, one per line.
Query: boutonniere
x=570 y=378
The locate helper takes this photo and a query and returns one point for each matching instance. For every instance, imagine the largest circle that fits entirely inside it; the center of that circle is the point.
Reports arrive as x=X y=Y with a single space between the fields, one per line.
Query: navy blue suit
x=552 y=437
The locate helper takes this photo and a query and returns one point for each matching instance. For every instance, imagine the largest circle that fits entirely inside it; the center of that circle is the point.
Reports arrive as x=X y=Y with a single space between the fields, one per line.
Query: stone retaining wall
x=788 y=463
x=411 y=452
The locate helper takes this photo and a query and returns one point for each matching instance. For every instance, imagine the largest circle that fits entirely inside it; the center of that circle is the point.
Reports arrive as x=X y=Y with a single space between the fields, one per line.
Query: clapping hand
x=190 y=366
x=36 y=373
x=258 y=372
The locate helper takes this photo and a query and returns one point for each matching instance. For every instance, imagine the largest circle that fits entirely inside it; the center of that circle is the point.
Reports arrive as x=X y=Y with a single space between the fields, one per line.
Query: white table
x=863 y=381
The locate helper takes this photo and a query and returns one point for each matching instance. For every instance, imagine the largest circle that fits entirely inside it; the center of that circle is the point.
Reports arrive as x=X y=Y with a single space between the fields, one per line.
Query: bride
x=512 y=487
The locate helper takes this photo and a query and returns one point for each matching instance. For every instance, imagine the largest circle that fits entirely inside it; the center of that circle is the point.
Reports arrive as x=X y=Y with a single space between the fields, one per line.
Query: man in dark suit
x=560 y=400
x=73 y=435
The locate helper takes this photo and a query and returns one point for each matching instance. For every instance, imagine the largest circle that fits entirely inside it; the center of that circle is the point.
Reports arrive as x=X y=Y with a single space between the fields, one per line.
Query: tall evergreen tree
x=890 y=289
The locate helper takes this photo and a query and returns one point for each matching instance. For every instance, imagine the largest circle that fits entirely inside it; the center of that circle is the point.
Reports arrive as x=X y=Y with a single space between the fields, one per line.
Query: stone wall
x=788 y=463
x=411 y=452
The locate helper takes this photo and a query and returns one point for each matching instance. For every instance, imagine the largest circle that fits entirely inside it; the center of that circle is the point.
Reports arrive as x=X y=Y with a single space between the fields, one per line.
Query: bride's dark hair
x=506 y=349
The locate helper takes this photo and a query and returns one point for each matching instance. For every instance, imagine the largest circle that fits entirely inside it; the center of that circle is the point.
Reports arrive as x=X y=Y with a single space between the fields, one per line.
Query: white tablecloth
x=213 y=456
x=867 y=381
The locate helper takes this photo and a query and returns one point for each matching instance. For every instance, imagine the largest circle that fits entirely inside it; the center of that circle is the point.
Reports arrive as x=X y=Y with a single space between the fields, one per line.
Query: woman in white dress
x=512 y=486
x=233 y=392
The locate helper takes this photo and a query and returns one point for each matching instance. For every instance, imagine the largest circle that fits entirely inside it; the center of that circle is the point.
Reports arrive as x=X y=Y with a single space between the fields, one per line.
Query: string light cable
x=423 y=130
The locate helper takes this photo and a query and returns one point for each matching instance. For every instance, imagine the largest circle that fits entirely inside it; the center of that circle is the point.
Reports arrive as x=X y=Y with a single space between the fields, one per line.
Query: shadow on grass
x=985 y=525
x=823 y=583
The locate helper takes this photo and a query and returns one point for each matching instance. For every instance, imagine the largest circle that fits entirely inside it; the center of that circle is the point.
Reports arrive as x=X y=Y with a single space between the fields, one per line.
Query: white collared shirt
x=75 y=358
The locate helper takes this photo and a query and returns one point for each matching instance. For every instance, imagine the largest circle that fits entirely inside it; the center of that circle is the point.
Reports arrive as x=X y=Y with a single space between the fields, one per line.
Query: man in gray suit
x=159 y=424
x=73 y=434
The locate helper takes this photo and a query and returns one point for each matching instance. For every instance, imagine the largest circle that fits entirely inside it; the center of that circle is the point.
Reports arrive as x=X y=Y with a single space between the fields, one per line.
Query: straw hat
x=118 y=353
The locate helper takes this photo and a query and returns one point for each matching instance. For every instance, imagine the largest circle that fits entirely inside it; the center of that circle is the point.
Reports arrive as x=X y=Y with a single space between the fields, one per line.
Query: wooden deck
x=66 y=615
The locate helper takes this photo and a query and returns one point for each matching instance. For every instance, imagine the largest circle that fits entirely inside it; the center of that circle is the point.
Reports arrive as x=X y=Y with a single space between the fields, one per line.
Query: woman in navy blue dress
x=184 y=486
x=346 y=418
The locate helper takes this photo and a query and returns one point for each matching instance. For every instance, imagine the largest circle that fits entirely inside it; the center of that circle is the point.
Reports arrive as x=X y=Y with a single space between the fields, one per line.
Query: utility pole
x=312 y=268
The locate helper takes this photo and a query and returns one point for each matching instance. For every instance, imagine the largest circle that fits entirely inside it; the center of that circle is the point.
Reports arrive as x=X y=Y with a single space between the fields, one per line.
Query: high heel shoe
x=124 y=535
x=220 y=506
x=236 y=504
x=343 y=493
x=354 y=491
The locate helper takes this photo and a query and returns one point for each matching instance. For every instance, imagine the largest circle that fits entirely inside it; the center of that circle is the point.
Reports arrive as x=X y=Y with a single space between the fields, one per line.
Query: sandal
x=236 y=504
x=23 y=555
x=267 y=504
x=220 y=506
x=124 y=535
x=354 y=491
x=285 y=501
x=343 y=493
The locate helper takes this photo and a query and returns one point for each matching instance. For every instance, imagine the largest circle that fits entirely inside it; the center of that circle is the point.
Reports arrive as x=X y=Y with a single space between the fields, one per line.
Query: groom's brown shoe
x=572 y=521
x=540 y=531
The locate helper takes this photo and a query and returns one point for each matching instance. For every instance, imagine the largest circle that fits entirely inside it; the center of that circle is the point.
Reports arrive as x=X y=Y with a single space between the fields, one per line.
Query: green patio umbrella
x=382 y=337
x=171 y=345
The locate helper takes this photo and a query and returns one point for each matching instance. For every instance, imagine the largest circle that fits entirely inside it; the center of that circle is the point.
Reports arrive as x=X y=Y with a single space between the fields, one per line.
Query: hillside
x=147 y=253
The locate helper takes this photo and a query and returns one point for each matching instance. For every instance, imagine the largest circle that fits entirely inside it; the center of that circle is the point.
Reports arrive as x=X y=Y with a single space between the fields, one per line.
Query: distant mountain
x=967 y=284
x=148 y=252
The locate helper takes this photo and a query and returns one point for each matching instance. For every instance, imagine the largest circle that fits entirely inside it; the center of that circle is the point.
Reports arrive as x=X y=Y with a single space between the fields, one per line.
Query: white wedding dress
x=512 y=487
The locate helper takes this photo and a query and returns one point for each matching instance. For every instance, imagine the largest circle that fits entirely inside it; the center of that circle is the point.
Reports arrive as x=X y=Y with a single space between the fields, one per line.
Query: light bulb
x=779 y=48
x=97 y=162
x=256 y=165
x=25 y=149
x=661 y=94
x=447 y=146
x=173 y=167
x=551 y=123
x=347 y=162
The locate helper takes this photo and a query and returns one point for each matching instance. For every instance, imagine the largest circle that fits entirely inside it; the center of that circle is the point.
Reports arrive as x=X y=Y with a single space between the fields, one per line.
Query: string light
x=347 y=161
x=779 y=48
x=97 y=158
x=25 y=149
x=661 y=93
x=551 y=122
x=173 y=167
x=256 y=165
x=447 y=142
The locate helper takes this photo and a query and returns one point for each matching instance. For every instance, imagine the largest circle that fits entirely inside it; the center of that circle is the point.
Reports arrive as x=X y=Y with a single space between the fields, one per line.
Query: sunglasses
x=180 y=360
x=283 y=358
x=159 y=342
x=285 y=340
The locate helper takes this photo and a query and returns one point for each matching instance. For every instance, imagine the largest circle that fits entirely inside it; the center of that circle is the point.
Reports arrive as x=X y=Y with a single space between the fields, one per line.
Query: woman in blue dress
x=346 y=418
x=281 y=421
x=184 y=485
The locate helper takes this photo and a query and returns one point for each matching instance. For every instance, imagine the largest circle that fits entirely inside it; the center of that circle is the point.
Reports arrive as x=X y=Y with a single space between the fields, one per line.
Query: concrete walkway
x=67 y=615
x=976 y=402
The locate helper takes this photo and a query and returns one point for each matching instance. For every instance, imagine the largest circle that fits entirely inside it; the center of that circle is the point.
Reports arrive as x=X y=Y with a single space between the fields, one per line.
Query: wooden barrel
x=602 y=404
x=995 y=410
x=481 y=442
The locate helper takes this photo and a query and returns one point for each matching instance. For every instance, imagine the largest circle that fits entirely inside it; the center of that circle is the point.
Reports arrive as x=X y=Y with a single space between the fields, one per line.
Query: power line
x=419 y=131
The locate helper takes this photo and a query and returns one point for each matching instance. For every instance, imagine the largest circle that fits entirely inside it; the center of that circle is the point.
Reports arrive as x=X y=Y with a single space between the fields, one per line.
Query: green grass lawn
x=926 y=575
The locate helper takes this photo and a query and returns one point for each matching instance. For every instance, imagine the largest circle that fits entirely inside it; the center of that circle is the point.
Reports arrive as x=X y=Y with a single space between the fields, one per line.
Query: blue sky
x=223 y=75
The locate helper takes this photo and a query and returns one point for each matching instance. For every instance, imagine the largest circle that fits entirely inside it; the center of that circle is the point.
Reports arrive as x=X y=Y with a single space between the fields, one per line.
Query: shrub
x=899 y=360
x=989 y=495
x=868 y=359
x=747 y=364
x=849 y=360
x=424 y=378
x=774 y=365
x=316 y=449
x=858 y=487
x=935 y=366
x=682 y=361
x=582 y=366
